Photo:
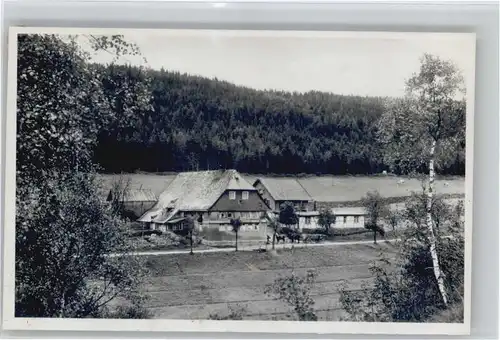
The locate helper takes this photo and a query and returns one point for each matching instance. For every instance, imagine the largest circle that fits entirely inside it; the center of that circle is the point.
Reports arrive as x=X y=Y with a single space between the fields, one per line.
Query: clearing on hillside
x=321 y=188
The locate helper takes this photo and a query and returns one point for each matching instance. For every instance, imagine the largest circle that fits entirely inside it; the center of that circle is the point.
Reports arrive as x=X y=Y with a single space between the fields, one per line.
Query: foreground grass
x=307 y=257
x=184 y=286
x=453 y=314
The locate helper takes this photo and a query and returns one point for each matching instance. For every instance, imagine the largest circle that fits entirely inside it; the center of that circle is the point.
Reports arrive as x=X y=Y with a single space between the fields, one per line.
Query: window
x=232 y=195
x=256 y=227
x=345 y=219
x=229 y=215
x=244 y=195
x=356 y=219
x=308 y=220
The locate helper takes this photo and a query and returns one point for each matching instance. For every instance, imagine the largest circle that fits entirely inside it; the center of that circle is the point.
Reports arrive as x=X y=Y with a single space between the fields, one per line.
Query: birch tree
x=424 y=130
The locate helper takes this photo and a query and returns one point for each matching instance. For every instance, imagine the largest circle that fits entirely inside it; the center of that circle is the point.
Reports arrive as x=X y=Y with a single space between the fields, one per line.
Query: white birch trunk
x=432 y=237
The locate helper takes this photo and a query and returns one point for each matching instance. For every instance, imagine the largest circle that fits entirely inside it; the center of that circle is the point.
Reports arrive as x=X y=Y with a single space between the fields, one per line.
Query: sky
x=349 y=64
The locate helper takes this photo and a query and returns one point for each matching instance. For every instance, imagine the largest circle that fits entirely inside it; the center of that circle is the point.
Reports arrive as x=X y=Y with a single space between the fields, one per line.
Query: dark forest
x=197 y=123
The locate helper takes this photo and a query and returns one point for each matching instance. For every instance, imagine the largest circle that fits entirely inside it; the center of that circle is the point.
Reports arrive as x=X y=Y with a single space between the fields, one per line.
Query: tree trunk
x=375 y=237
x=274 y=239
x=432 y=237
x=236 y=241
x=191 y=241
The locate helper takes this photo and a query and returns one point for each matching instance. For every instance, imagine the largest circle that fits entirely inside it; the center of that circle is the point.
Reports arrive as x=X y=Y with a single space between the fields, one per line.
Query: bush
x=406 y=289
x=295 y=291
x=130 y=312
x=312 y=231
x=145 y=232
x=453 y=314
x=235 y=314
x=350 y=231
x=214 y=234
x=63 y=227
x=67 y=225
x=315 y=238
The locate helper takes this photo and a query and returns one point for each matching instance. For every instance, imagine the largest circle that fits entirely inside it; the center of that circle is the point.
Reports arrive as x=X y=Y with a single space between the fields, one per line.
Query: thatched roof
x=285 y=189
x=136 y=195
x=194 y=191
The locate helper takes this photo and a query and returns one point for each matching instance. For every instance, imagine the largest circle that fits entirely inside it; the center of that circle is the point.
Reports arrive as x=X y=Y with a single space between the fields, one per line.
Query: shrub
x=145 y=232
x=453 y=314
x=67 y=225
x=313 y=231
x=295 y=291
x=130 y=312
x=234 y=314
x=406 y=289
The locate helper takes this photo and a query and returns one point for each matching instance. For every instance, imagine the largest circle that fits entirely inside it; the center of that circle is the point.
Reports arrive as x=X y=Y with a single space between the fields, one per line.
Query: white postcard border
x=173 y=325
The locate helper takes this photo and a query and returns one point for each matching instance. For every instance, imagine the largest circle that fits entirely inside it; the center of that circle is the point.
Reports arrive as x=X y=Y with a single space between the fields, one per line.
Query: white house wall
x=308 y=222
x=349 y=222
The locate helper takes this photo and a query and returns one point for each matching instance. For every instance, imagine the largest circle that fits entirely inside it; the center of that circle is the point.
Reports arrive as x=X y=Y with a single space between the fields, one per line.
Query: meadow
x=184 y=286
x=321 y=188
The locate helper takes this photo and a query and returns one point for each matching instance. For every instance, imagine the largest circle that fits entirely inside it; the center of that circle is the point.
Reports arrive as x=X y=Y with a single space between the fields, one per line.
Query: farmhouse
x=345 y=218
x=349 y=217
x=276 y=191
x=134 y=202
x=215 y=196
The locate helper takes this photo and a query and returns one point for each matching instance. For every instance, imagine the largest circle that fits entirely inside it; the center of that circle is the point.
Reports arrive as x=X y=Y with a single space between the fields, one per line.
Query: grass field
x=187 y=286
x=322 y=188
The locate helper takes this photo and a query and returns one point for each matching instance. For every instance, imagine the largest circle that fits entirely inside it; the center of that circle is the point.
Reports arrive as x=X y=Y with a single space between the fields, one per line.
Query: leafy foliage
x=133 y=310
x=433 y=110
x=235 y=314
x=287 y=215
x=325 y=219
x=377 y=210
x=63 y=233
x=63 y=229
x=427 y=129
x=405 y=289
x=295 y=291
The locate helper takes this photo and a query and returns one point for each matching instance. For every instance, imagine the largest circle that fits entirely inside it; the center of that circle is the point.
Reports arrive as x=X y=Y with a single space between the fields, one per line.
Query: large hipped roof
x=196 y=191
x=283 y=189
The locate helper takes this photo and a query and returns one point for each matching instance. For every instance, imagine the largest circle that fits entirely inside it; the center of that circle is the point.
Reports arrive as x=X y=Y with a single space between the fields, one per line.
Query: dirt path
x=250 y=248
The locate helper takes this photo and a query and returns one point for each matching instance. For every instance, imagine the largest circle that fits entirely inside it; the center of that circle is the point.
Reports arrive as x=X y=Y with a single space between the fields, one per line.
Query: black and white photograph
x=292 y=181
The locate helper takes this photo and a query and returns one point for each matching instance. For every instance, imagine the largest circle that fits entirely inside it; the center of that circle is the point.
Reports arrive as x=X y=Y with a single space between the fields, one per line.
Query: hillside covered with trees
x=197 y=123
